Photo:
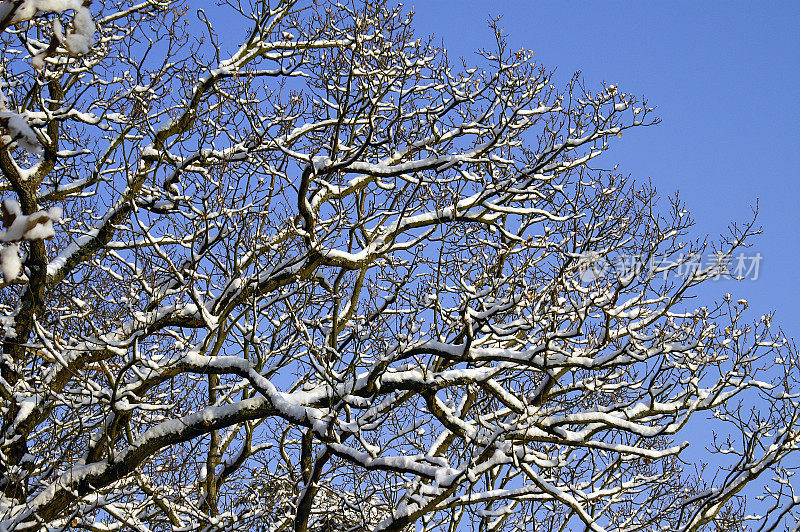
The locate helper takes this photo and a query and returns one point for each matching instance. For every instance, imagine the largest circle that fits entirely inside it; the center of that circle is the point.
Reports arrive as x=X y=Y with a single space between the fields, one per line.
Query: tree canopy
x=332 y=279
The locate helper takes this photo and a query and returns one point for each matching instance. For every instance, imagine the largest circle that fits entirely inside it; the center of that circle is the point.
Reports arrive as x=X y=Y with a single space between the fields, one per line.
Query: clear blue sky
x=725 y=79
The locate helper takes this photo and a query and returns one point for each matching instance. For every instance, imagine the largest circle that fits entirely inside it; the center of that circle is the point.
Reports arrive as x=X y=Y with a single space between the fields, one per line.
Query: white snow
x=18 y=131
x=320 y=162
x=9 y=262
x=30 y=8
x=40 y=231
x=37 y=226
x=78 y=42
x=82 y=37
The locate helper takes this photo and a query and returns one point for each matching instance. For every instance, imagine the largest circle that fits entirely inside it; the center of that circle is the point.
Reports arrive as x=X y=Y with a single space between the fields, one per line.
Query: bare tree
x=331 y=280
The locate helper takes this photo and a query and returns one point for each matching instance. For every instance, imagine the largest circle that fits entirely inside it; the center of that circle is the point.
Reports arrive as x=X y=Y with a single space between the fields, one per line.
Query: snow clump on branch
x=77 y=43
x=19 y=227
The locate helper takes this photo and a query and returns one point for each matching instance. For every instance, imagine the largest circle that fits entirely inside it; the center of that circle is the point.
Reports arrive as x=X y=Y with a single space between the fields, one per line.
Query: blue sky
x=724 y=79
